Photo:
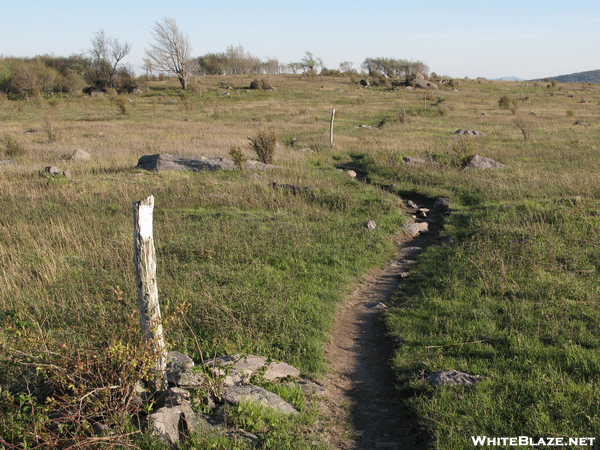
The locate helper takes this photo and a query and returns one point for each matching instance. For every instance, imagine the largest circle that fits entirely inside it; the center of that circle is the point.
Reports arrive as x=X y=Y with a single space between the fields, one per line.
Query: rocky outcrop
x=162 y=162
x=464 y=132
x=173 y=417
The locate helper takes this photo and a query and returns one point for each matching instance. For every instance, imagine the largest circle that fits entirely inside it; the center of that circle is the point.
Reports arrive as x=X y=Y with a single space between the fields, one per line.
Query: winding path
x=366 y=409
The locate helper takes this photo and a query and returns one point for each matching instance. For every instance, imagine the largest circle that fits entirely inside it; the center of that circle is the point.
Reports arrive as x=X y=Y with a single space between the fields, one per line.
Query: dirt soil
x=366 y=409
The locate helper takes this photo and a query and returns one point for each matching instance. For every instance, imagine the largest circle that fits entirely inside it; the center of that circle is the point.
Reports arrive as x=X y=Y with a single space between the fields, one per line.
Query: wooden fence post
x=331 y=127
x=144 y=258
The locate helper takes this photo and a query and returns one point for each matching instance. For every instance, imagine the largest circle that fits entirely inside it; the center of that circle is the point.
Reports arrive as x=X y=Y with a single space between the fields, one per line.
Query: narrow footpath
x=362 y=400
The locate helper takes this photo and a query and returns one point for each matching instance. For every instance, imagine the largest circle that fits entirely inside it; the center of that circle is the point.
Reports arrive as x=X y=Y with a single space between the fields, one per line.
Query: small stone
x=66 y=174
x=351 y=173
x=52 y=171
x=408 y=262
x=452 y=377
x=376 y=306
x=371 y=225
x=414 y=160
x=80 y=155
x=411 y=228
x=412 y=204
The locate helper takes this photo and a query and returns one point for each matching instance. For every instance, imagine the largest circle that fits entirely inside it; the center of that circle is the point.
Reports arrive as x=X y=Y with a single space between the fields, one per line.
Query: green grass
x=251 y=269
x=513 y=298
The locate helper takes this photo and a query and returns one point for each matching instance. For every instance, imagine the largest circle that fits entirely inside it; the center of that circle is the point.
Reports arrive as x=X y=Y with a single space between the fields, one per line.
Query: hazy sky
x=483 y=38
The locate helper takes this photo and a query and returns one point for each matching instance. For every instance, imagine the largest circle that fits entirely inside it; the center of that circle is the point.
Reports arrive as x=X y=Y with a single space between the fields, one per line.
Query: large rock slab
x=235 y=394
x=162 y=162
x=482 y=163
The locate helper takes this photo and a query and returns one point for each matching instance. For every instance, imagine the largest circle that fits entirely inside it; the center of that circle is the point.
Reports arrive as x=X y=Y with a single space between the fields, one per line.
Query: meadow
x=245 y=268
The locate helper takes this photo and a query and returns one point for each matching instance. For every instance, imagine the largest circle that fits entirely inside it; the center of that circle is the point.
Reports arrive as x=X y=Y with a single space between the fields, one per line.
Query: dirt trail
x=362 y=399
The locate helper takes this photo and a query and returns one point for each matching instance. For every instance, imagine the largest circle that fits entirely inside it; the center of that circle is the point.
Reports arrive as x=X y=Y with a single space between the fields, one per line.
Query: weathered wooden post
x=144 y=258
x=331 y=127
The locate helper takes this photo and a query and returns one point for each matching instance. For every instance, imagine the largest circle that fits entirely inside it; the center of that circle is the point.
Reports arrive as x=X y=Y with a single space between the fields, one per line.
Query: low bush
x=13 y=148
x=239 y=159
x=264 y=144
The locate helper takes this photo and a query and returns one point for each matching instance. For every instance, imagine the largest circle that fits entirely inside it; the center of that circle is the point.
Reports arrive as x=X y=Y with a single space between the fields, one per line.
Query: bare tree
x=107 y=53
x=171 y=50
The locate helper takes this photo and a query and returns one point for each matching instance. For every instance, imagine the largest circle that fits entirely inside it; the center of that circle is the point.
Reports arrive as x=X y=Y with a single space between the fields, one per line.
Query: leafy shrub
x=238 y=157
x=330 y=72
x=262 y=85
x=66 y=397
x=504 y=102
x=264 y=144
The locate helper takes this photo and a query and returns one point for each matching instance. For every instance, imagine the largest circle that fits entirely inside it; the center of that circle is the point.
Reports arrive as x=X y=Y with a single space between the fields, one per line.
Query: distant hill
x=592 y=76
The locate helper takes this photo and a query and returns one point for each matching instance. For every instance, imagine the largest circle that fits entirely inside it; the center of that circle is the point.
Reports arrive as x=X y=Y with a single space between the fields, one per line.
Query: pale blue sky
x=526 y=39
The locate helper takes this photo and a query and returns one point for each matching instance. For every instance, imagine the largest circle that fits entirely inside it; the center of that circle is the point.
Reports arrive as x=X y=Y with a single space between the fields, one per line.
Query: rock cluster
x=173 y=417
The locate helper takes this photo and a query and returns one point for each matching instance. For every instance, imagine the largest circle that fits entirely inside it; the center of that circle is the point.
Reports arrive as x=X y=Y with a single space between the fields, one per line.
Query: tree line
x=102 y=67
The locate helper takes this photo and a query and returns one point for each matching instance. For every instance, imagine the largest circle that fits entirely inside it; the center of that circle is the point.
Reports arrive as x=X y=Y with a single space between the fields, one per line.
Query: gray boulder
x=279 y=370
x=177 y=364
x=235 y=394
x=481 y=163
x=80 y=155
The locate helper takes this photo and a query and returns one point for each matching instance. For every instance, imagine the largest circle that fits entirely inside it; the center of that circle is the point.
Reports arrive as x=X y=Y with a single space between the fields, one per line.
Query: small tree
x=106 y=55
x=310 y=63
x=264 y=144
x=171 y=50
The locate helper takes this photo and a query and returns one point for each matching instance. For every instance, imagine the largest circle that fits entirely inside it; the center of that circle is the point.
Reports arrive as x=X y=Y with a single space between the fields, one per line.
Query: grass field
x=255 y=270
